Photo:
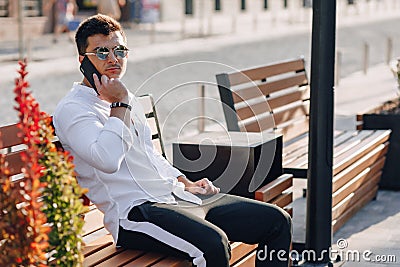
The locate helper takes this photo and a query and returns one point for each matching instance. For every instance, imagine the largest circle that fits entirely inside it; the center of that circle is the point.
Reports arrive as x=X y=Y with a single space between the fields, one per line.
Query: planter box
x=239 y=163
x=382 y=118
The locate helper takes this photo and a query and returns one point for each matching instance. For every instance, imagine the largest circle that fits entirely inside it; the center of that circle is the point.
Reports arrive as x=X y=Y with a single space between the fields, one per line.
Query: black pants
x=202 y=233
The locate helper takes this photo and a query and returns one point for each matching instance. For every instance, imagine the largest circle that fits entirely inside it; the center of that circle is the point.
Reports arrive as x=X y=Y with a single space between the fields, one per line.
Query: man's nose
x=111 y=57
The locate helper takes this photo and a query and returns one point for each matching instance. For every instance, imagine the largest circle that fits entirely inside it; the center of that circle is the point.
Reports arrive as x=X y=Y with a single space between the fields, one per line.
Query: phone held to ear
x=87 y=68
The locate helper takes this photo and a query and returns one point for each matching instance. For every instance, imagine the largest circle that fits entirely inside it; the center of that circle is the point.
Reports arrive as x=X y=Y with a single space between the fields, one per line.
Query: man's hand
x=202 y=187
x=111 y=90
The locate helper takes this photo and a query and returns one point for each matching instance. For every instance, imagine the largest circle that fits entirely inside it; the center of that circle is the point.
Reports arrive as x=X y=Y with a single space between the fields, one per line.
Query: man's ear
x=80 y=58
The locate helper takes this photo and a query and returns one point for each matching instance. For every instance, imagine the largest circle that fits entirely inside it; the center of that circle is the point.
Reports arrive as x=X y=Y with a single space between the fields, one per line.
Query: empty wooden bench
x=275 y=98
x=99 y=249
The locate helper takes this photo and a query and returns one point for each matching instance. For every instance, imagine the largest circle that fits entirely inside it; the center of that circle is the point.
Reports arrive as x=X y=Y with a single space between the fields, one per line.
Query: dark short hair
x=97 y=24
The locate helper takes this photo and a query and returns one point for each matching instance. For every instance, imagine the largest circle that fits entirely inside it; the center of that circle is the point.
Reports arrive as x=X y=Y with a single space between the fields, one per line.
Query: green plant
x=63 y=206
x=40 y=222
x=23 y=224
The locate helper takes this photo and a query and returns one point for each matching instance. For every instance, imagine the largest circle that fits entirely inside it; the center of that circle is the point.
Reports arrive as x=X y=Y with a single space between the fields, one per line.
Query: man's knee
x=216 y=250
x=281 y=222
x=286 y=219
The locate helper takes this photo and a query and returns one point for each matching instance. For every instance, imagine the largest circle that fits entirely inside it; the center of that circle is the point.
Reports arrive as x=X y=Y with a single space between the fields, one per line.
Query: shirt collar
x=86 y=89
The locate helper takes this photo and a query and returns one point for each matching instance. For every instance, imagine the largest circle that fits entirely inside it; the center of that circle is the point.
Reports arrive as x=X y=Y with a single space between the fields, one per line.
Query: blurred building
x=33 y=22
x=38 y=15
x=198 y=8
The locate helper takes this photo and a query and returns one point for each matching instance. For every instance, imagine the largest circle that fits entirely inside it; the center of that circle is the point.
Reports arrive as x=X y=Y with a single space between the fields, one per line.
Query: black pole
x=189 y=7
x=319 y=193
x=217 y=5
x=243 y=5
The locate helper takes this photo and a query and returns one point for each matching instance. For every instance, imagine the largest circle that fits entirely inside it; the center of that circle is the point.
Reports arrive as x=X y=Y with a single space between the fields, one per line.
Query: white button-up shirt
x=117 y=164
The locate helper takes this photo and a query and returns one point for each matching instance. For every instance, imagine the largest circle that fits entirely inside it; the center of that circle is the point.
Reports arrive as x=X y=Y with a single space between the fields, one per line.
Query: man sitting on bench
x=147 y=203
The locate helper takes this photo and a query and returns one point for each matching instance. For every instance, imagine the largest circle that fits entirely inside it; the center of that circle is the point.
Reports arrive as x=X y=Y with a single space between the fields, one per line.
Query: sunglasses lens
x=120 y=51
x=102 y=53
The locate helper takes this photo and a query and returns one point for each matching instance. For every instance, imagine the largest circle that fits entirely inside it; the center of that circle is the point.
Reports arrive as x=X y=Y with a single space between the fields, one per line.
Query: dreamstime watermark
x=341 y=253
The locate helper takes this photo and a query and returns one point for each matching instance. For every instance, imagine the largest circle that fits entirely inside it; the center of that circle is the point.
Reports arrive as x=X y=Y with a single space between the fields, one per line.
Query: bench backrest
x=273 y=97
x=149 y=108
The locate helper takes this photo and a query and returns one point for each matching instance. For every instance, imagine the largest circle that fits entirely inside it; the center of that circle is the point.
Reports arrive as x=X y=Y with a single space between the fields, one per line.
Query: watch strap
x=120 y=104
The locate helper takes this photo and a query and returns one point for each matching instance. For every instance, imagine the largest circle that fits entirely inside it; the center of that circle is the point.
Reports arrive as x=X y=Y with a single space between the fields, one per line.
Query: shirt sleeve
x=101 y=145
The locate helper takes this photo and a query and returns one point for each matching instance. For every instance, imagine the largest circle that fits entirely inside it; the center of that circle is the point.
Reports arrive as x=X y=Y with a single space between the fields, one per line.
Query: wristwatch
x=120 y=104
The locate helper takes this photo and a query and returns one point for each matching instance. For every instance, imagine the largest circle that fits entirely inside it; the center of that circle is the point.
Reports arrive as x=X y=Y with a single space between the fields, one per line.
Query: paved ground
x=171 y=69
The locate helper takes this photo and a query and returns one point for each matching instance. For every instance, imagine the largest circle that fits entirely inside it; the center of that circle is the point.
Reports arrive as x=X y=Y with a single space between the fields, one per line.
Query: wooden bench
x=275 y=98
x=99 y=249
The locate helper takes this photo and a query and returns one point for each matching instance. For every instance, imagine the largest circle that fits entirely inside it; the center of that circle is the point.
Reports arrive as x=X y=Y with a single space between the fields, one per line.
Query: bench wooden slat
x=294 y=129
x=364 y=177
x=283 y=200
x=248 y=261
x=345 y=140
x=274 y=188
x=355 y=196
x=374 y=159
x=288 y=114
x=95 y=235
x=259 y=125
x=146 y=102
x=296 y=154
x=101 y=255
x=351 y=184
x=336 y=224
x=360 y=150
x=97 y=245
x=295 y=80
x=359 y=145
x=374 y=168
x=93 y=221
x=127 y=258
x=10 y=136
x=299 y=150
x=250 y=92
x=240 y=250
x=291 y=97
x=259 y=73
x=266 y=89
x=299 y=144
x=149 y=107
x=15 y=164
x=253 y=110
x=347 y=144
x=172 y=262
x=152 y=125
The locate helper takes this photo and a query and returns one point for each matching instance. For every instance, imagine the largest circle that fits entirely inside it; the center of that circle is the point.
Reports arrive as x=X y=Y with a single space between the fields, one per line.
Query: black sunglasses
x=120 y=51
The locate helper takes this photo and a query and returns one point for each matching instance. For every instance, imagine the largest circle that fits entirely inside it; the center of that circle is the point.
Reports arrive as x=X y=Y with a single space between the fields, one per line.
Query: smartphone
x=87 y=68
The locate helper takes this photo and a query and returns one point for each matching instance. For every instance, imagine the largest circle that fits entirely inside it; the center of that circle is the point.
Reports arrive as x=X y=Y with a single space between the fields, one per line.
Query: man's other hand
x=203 y=187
